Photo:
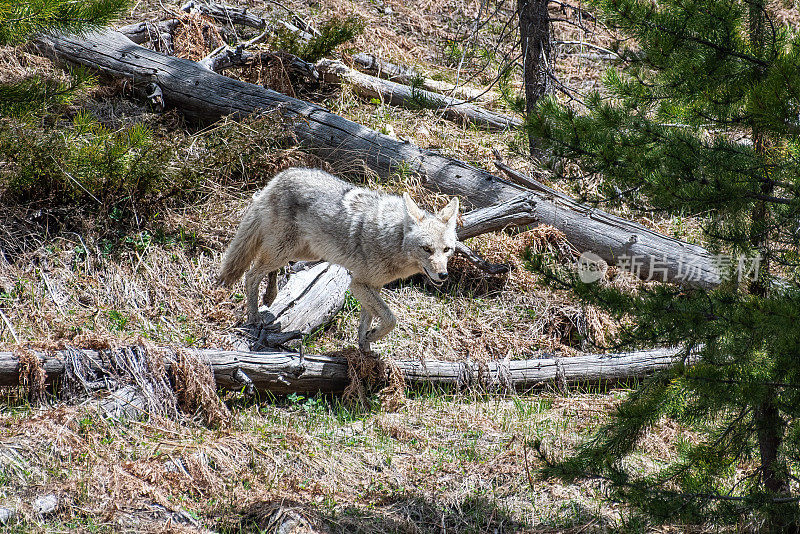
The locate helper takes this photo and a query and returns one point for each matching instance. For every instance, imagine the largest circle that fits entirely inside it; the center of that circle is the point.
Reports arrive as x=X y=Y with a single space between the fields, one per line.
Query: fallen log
x=517 y=211
x=154 y=32
x=287 y=372
x=231 y=15
x=225 y=14
x=309 y=300
x=205 y=95
x=400 y=74
x=398 y=94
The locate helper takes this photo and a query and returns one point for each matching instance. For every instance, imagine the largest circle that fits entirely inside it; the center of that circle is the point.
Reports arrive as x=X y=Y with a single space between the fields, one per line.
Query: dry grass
x=459 y=463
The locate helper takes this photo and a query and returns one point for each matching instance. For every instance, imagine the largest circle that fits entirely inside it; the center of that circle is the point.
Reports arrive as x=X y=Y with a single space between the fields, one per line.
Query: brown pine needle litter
x=196 y=36
x=367 y=373
x=196 y=389
x=269 y=69
x=31 y=375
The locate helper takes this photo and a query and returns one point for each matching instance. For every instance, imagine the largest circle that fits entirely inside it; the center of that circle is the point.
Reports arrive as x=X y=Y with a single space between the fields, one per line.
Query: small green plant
x=309 y=405
x=403 y=171
x=351 y=304
x=453 y=52
x=509 y=95
x=333 y=33
x=117 y=320
x=420 y=98
x=139 y=241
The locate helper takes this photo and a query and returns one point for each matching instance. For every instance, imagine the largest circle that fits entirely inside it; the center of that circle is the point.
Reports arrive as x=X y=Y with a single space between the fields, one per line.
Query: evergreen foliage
x=84 y=164
x=37 y=95
x=702 y=120
x=20 y=20
x=331 y=34
x=117 y=176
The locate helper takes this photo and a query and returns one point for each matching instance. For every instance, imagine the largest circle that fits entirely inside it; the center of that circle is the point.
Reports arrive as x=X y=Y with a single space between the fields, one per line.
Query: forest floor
x=87 y=274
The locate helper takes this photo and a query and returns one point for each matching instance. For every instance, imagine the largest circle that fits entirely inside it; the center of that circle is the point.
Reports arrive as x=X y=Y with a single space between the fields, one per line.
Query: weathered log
x=287 y=372
x=225 y=13
x=124 y=403
x=309 y=300
x=405 y=75
x=228 y=14
x=227 y=57
x=518 y=211
x=208 y=96
x=143 y=32
x=397 y=94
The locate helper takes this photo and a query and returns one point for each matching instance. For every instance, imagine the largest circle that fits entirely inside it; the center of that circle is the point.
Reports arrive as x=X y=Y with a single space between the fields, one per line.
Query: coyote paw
x=258 y=320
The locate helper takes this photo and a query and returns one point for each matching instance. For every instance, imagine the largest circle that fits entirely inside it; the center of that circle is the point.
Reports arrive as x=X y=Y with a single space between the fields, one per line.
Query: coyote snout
x=308 y=214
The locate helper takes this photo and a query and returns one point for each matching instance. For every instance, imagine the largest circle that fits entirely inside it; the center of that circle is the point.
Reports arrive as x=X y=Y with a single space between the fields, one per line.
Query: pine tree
x=701 y=119
x=19 y=20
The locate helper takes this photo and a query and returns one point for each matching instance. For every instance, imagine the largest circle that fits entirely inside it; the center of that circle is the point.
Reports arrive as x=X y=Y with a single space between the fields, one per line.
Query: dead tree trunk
x=310 y=299
x=534 y=31
x=286 y=372
x=518 y=211
x=207 y=96
x=398 y=94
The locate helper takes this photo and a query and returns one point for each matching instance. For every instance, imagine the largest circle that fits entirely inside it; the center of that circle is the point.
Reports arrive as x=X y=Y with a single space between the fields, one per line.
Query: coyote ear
x=412 y=209
x=449 y=212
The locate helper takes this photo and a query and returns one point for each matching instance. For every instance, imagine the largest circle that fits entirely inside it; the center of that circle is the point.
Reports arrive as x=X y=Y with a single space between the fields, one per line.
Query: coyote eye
x=427 y=249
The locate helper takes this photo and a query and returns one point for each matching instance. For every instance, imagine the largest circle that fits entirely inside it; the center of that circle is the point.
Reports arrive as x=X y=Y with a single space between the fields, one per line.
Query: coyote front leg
x=372 y=306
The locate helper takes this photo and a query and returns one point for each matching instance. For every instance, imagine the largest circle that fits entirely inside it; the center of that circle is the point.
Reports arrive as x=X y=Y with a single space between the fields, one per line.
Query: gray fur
x=308 y=214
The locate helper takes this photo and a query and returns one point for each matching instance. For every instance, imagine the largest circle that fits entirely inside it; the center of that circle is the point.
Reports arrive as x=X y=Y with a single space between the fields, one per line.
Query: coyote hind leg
x=272 y=288
x=252 y=280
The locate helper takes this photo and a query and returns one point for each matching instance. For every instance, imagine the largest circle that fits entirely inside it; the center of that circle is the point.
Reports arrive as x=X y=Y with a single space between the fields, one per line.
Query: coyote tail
x=243 y=249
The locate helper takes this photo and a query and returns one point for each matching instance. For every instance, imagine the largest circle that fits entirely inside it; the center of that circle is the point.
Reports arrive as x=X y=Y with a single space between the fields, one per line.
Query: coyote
x=308 y=214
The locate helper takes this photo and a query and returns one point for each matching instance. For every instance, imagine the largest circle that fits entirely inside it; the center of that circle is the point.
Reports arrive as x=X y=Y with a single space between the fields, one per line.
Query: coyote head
x=430 y=240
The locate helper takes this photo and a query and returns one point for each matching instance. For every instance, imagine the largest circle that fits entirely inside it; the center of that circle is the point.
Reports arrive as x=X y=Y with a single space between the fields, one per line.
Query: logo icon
x=591 y=267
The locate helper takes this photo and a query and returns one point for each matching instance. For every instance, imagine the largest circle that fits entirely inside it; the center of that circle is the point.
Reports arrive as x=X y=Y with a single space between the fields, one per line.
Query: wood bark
x=208 y=96
x=159 y=33
x=534 y=31
x=518 y=211
x=398 y=94
x=228 y=14
x=309 y=300
x=225 y=13
x=287 y=372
